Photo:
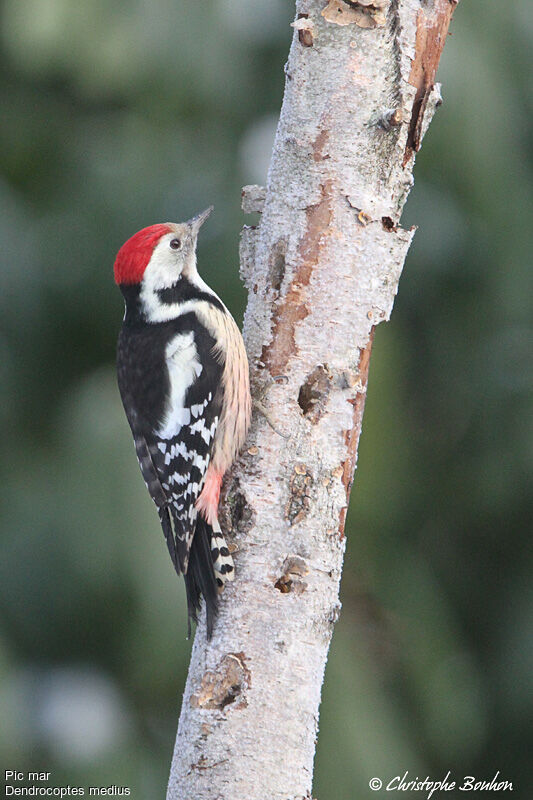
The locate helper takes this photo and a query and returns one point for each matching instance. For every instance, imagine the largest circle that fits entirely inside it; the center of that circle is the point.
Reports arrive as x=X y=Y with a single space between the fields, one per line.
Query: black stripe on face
x=184 y=290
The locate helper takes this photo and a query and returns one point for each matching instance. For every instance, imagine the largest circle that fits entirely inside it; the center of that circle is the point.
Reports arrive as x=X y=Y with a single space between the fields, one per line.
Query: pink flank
x=207 y=503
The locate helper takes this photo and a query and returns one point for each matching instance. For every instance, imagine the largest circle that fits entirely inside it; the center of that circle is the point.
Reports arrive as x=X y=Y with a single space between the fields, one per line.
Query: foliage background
x=116 y=115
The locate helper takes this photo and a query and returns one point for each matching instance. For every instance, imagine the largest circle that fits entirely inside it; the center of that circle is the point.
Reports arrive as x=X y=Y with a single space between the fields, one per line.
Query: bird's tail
x=210 y=566
x=166 y=524
x=200 y=577
x=222 y=560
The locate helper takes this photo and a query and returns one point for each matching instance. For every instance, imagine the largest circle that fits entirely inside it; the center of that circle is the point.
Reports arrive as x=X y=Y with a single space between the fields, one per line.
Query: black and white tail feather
x=206 y=572
x=209 y=566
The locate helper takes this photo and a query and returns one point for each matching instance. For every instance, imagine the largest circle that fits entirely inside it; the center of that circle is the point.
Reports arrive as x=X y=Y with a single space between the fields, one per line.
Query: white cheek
x=163 y=270
x=164 y=267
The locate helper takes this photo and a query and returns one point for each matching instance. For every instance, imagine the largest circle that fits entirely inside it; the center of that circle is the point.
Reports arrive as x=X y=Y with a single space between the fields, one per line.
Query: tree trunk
x=322 y=269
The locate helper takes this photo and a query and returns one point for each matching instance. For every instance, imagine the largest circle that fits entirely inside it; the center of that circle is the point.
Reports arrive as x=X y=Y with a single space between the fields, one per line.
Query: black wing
x=173 y=427
x=143 y=451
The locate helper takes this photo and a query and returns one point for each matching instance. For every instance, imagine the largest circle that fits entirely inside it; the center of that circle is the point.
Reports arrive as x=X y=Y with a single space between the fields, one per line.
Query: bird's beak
x=195 y=223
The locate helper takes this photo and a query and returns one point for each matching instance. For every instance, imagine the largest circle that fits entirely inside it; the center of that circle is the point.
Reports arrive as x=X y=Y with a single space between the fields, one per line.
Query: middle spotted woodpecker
x=184 y=382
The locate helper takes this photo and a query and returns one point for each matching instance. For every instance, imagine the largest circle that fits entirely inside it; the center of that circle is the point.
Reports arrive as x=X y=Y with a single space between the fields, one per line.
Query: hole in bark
x=313 y=394
x=233 y=692
x=239 y=509
x=283 y=584
x=307 y=397
x=305 y=36
x=276 y=266
x=235 y=512
x=388 y=224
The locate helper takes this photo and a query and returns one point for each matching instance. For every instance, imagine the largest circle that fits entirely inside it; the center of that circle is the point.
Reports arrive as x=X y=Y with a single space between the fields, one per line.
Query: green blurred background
x=120 y=113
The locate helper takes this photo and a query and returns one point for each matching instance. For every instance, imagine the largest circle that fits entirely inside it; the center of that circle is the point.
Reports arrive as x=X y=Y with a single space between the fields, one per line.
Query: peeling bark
x=292 y=309
x=431 y=30
x=322 y=270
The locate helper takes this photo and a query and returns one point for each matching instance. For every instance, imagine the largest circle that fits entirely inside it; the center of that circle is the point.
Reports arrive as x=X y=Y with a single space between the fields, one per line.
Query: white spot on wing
x=201 y=463
x=177 y=478
x=196 y=409
x=206 y=433
x=199 y=427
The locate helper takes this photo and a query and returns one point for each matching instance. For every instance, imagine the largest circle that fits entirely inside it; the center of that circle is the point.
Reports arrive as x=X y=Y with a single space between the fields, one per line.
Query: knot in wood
x=300 y=494
x=364 y=13
x=225 y=685
x=293 y=570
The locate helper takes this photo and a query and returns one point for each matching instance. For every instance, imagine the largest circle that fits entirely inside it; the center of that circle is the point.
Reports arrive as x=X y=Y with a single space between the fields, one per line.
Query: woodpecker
x=184 y=382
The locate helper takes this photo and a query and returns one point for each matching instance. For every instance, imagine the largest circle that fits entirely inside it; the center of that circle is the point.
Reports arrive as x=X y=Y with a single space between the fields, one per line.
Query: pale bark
x=322 y=269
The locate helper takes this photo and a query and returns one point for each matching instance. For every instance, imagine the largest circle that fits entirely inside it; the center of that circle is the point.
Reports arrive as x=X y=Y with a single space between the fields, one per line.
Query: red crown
x=134 y=255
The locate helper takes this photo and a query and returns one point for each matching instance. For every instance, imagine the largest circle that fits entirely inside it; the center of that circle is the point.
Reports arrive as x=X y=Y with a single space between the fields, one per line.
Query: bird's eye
x=175 y=244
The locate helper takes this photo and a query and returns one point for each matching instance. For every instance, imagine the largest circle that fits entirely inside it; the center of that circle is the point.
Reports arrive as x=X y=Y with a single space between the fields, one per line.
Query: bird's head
x=158 y=262
x=163 y=253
